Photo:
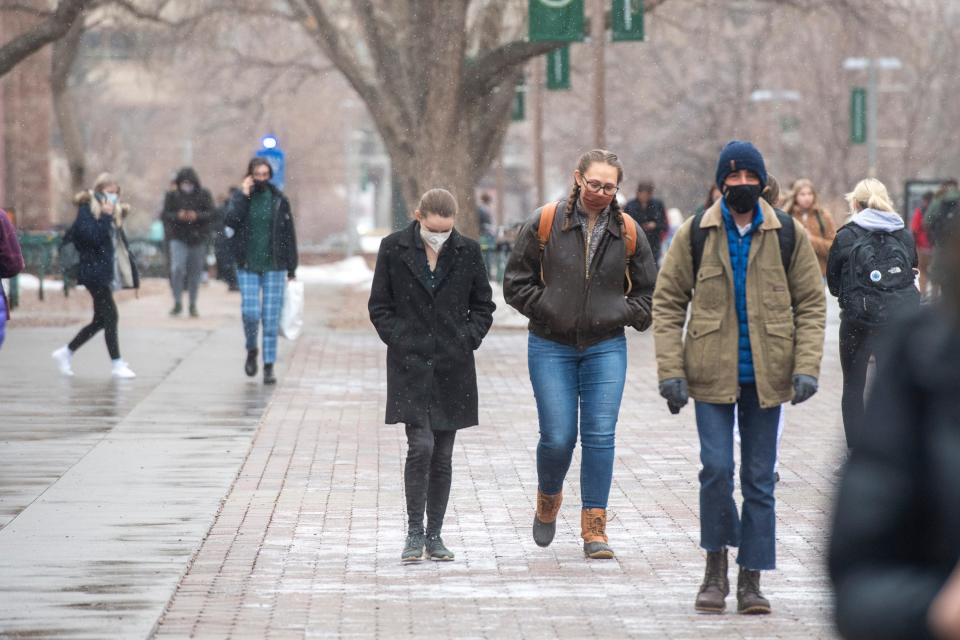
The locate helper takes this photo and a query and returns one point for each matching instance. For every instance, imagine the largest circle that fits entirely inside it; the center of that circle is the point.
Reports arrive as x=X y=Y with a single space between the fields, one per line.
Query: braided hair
x=586 y=160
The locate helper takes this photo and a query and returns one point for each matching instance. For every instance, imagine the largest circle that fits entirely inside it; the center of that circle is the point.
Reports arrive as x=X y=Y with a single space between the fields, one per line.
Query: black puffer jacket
x=896 y=534
x=572 y=308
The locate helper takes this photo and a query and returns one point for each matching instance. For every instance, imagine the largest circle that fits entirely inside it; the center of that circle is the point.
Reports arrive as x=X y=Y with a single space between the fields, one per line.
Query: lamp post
x=871 y=66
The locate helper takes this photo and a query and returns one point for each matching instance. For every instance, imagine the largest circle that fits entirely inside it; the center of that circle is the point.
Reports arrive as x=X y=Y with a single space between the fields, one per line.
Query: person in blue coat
x=105 y=265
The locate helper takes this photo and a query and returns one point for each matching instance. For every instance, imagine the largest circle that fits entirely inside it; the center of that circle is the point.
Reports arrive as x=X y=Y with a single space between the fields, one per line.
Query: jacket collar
x=411 y=238
x=571 y=221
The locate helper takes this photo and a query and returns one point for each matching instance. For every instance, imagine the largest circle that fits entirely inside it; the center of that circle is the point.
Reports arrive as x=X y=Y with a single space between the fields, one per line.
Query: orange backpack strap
x=629 y=230
x=547 y=215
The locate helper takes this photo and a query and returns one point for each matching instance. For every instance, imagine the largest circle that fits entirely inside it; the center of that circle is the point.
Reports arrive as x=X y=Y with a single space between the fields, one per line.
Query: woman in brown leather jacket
x=581 y=272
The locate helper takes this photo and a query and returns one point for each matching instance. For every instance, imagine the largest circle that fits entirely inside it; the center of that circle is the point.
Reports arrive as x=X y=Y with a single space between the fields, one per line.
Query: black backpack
x=786 y=235
x=877 y=280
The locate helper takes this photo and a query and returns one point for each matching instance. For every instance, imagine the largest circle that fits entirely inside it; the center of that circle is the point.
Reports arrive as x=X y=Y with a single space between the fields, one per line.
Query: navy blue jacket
x=739 y=259
x=94 y=242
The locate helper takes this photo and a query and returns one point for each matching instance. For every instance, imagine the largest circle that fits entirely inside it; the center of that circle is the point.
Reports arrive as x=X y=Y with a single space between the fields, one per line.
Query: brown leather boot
x=712 y=597
x=593 y=529
x=749 y=599
x=545 y=519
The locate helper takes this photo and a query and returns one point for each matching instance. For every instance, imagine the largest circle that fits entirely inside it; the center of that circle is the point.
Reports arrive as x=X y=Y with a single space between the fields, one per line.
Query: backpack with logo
x=877 y=282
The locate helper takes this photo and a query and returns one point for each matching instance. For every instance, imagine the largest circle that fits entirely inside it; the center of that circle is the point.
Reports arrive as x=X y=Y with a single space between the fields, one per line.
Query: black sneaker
x=193 y=311
x=436 y=550
x=413 y=548
x=177 y=310
x=250 y=366
x=268 y=377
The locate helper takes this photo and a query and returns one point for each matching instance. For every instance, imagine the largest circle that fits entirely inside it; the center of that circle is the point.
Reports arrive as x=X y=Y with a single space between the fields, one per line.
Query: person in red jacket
x=924 y=246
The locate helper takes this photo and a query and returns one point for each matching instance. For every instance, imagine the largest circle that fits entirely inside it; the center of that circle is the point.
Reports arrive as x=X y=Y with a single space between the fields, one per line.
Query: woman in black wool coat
x=431 y=303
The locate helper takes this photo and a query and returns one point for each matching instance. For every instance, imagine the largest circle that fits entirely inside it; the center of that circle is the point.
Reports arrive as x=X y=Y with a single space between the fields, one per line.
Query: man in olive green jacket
x=753 y=341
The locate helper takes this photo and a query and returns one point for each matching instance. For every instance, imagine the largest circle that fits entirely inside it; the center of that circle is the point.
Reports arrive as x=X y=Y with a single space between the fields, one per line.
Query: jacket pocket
x=710 y=290
x=779 y=348
x=775 y=293
x=701 y=353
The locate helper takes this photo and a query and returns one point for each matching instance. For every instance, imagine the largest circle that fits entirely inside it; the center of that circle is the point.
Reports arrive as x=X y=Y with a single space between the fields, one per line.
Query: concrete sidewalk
x=308 y=541
x=108 y=487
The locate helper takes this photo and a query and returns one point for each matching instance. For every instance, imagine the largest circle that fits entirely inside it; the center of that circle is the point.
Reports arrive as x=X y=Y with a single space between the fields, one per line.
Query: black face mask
x=260 y=185
x=742 y=198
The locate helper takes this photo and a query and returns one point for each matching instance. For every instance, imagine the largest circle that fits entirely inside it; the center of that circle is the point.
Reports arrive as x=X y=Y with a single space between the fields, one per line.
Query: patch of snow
x=352 y=271
x=30 y=282
x=506 y=317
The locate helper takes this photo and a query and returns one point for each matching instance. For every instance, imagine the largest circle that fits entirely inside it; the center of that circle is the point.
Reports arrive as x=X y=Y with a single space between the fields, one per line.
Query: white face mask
x=434 y=239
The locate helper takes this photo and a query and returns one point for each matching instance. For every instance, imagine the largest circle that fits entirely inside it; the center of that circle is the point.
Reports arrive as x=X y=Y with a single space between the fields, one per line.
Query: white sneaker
x=122 y=370
x=62 y=357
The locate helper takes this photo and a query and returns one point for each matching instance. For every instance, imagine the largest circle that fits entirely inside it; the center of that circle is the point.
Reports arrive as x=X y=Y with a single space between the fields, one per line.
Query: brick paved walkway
x=308 y=540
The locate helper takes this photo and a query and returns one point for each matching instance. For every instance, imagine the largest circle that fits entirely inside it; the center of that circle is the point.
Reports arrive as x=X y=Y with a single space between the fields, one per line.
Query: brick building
x=26 y=116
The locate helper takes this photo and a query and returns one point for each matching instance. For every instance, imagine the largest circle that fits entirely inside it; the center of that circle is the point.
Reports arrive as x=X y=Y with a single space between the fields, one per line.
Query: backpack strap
x=698 y=238
x=786 y=236
x=547 y=215
x=628 y=229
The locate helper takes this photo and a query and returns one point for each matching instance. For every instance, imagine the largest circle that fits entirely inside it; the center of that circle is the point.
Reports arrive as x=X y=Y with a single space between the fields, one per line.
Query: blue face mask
x=112 y=198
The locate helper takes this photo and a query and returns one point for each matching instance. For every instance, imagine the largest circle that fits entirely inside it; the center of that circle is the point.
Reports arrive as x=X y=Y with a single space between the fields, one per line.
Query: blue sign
x=270 y=150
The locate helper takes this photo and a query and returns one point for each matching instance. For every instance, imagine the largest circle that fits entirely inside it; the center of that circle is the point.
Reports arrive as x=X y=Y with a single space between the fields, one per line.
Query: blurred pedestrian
x=895 y=546
x=223 y=245
x=432 y=305
x=804 y=205
x=944 y=208
x=265 y=249
x=918 y=226
x=871 y=271
x=713 y=194
x=11 y=263
x=189 y=213
x=581 y=271
x=738 y=357
x=651 y=215
x=105 y=266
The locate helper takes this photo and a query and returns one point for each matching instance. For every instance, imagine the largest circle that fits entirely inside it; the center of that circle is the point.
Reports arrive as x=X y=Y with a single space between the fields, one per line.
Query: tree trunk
x=64 y=55
x=51 y=28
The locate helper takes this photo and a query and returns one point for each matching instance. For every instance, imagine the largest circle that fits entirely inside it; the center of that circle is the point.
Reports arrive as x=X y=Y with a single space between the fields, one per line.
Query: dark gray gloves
x=804 y=387
x=674 y=390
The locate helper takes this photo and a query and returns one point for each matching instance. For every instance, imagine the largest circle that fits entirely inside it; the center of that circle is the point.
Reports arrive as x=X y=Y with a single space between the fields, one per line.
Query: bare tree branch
x=49 y=30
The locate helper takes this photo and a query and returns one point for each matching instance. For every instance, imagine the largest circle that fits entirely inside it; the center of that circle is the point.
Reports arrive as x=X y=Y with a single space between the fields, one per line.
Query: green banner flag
x=627 y=20
x=555 y=20
x=518 y=110
x=858 y=115
x=558 y=69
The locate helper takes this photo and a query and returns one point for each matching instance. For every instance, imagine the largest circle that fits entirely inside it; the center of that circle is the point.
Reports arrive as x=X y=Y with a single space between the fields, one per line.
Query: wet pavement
x=107 y=487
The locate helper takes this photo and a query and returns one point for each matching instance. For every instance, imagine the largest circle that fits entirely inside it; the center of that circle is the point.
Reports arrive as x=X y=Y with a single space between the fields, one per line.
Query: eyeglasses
x=596 y=186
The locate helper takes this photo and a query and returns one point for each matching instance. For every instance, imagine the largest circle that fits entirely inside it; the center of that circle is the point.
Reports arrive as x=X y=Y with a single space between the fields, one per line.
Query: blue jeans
x=720 y=524
x=566 y=380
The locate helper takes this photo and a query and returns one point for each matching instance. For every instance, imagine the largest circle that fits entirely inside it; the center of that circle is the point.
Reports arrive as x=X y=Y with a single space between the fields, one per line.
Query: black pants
x=104 y=317
x=857 y=343
x=427 y=476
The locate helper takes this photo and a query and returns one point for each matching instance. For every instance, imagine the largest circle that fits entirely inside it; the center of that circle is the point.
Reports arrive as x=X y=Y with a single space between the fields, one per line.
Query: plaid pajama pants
x=254 y=309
